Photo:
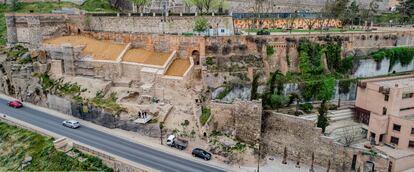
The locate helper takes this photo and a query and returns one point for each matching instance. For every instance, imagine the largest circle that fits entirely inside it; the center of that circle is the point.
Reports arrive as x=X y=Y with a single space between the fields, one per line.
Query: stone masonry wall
x=286 y=46
x=301 y=136
x=242 y=119
x=33 y=28
x=154 y=24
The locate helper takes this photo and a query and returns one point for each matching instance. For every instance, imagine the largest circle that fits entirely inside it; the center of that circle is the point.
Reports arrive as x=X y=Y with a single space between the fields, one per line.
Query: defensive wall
x=32 y=29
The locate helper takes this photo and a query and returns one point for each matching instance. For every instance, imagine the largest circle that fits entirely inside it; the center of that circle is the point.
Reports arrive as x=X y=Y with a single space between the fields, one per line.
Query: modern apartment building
x=386 y=105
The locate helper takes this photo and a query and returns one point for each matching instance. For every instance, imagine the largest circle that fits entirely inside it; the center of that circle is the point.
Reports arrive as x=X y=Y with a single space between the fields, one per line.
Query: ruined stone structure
x=302 y=136
x=242 y=119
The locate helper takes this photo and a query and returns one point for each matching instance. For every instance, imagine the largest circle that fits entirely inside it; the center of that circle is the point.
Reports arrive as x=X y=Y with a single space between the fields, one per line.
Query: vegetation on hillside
x=17 y=143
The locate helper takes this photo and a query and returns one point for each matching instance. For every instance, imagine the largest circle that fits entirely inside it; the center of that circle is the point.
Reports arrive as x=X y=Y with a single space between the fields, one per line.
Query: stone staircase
x=336 y=115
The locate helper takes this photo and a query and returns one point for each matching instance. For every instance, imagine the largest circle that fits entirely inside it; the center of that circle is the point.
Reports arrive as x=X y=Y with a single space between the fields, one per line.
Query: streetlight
x=258 y=158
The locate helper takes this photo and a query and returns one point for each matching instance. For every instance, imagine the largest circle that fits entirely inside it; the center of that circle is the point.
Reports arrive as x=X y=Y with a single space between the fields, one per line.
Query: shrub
x=205 y=115
x=201 y=24
x=307 y=107
x=269 y=51
x=263 y=32
x=332 y=106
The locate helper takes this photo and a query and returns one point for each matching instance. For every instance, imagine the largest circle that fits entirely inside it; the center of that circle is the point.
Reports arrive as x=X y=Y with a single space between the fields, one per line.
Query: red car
x=15 y=104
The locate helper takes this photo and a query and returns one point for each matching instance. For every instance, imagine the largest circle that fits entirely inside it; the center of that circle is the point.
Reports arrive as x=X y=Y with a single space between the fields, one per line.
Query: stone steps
x=336 y=115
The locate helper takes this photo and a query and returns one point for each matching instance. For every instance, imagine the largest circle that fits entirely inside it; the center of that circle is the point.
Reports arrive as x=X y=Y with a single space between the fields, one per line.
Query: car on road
x=200 y=153
x=15 y=104
x=71 y=123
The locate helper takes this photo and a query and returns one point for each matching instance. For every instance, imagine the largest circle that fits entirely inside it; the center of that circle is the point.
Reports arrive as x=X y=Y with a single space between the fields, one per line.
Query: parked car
x=71 y=123
x=176 y=142
x=15 y=104
x=200 y=153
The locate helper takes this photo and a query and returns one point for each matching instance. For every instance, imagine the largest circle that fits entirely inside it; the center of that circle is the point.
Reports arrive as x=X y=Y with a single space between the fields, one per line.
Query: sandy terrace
x=139 y=55
x=178 y=67
x=99 y=49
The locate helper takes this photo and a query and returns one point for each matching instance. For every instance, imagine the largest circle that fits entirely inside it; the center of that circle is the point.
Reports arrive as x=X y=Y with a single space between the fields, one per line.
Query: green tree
x=255 y=84
x=353 y=12
x=323 y=119
x=278 y=101
x=201 y=24
x=406 y=9
x=199 y=4
x=140 y=4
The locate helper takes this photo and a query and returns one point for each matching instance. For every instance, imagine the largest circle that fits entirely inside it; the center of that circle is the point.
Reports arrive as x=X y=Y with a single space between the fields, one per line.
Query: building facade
x=386 y=105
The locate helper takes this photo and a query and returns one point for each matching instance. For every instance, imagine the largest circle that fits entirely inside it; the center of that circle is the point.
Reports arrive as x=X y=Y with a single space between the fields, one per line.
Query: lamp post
x=258 y=158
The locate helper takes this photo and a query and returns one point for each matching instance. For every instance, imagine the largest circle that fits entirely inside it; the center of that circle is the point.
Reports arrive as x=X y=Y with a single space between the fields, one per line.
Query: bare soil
x=178 y=67
x=140 y=55
x=99 y=49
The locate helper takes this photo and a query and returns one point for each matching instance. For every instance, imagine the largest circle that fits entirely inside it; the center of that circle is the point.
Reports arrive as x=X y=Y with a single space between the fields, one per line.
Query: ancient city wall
x=33 y=28
x=301 y=136
x=286 y=46
x=241 y=119
x=154 y=24
x=159 y=43
x=292 y=5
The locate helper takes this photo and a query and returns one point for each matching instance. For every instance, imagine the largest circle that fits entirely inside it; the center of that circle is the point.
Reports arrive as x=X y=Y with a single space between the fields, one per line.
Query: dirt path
x=139 y=55
x=178 y=67
x=99 y=49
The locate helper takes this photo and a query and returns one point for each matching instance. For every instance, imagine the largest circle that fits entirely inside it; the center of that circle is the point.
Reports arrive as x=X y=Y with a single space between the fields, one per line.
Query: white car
x=71 y=123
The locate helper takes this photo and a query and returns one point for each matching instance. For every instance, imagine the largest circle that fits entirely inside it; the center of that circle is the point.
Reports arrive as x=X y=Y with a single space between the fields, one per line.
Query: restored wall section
x=242 y=119
x=155 y=24
x=301 y=136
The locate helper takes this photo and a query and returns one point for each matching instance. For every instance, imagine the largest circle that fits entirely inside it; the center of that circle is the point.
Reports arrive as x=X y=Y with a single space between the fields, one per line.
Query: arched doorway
x=196 y=57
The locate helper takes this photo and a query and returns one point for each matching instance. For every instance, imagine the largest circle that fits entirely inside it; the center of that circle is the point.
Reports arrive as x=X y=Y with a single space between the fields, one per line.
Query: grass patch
x=107 y=103
x=224 y=93
x=17 y=143
x=205 y=115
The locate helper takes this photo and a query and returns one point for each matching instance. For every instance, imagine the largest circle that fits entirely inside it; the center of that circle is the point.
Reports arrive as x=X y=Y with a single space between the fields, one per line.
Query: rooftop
x=395 y=153
x=401 y=83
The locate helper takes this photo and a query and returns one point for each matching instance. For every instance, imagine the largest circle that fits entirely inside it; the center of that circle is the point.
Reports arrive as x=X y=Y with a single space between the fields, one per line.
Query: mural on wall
x=286 y=23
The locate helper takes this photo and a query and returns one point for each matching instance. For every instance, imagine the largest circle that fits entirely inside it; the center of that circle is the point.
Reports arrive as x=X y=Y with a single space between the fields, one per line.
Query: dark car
x=200 y=153
x=15 y=104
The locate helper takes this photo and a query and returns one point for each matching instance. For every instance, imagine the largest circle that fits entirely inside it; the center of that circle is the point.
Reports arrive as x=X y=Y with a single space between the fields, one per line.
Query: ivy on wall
x=403 y=55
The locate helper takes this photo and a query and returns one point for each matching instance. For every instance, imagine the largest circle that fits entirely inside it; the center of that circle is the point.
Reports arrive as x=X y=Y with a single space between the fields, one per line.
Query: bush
x=205 y=115
x=269 y=51
x=263 y=32
x=332 y=106
x=307 y=107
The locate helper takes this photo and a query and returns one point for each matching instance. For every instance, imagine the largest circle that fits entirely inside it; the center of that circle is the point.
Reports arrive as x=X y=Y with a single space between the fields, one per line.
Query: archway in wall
x=196 y=57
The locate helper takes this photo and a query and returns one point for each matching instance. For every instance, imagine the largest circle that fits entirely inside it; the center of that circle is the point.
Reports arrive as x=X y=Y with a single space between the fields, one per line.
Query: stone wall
x=284 y=23
x=59 y=104
x=301 y=136
x=33 y=28
x=285 y=46
x=153 y=42
x=293 y=5
x=155 y=24
x=370 y=67
x=242 y=119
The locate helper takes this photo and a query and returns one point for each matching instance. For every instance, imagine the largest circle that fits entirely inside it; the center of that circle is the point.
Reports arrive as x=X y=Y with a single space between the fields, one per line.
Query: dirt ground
x=139 y=55
x=99 y=49
x=178 y=67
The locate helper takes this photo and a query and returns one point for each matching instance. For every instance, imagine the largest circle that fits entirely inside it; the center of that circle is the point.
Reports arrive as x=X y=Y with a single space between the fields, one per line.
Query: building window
x=412 y=130
x=411 y=144
x=394 y=140
x=407 y=95
x=386 y=97
x=396 y=127
x=384 y=111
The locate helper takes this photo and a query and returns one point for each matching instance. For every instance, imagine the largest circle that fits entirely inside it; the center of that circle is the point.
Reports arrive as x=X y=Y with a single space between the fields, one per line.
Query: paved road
x=135 y=152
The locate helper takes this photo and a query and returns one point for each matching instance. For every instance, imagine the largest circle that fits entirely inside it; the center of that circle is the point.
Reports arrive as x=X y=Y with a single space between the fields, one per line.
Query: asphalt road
x=132 y=151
